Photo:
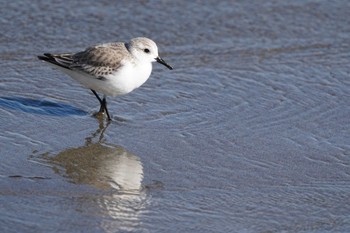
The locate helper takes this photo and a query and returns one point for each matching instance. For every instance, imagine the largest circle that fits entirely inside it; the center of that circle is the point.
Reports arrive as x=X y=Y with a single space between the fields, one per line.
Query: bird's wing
x=98 y=61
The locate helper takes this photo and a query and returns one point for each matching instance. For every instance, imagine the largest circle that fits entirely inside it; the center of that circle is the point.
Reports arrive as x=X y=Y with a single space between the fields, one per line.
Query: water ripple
x=42 y=107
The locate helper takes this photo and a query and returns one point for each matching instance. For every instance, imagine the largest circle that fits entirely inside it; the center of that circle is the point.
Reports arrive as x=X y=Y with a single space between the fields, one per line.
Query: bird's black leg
x=99 y=99
x=103 y=104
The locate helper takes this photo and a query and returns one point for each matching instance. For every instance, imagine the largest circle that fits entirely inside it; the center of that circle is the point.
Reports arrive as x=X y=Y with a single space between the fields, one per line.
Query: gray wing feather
x=98 y=61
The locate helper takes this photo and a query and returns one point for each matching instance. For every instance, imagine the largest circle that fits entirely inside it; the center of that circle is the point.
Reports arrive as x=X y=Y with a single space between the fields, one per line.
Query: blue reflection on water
x=42 y=107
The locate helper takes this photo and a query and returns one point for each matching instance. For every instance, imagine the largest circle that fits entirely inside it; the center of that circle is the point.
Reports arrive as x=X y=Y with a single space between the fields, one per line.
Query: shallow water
x=249 y=132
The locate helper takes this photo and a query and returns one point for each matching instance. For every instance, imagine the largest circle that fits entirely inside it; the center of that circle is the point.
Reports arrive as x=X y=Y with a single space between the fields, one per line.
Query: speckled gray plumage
x=98 y=61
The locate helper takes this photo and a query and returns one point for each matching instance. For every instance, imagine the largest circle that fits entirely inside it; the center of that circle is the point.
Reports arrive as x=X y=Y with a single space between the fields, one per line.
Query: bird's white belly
x=122 y=82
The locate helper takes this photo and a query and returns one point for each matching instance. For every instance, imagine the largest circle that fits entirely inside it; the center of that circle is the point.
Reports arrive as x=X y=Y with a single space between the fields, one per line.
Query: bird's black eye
x=146 y=50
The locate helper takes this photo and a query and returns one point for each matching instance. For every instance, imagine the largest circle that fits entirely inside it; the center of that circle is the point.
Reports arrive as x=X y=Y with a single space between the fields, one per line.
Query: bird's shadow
x=42 y=107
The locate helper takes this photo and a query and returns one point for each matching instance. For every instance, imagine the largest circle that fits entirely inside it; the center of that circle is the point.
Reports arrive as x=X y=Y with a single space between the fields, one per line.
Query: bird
x=113 y=69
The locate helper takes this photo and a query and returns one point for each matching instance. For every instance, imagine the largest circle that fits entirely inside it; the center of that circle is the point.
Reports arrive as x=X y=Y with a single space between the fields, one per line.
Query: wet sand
x=248 y=133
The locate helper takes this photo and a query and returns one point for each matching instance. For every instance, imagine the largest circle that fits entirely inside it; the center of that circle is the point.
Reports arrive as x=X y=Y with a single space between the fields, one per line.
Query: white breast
x=128 y=78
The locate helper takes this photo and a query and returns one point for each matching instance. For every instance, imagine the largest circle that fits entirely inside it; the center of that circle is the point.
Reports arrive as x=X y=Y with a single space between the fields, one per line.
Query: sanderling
x=111 y=68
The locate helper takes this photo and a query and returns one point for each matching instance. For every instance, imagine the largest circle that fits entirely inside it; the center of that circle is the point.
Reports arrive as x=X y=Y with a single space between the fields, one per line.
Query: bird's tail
x=62 y=60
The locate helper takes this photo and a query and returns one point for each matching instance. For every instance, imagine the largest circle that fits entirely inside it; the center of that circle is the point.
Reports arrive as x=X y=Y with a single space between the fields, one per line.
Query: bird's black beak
x=161 y=61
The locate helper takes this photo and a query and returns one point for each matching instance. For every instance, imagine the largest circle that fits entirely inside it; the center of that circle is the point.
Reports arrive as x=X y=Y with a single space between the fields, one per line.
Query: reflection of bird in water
x=106 y=167
x=99 y=164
